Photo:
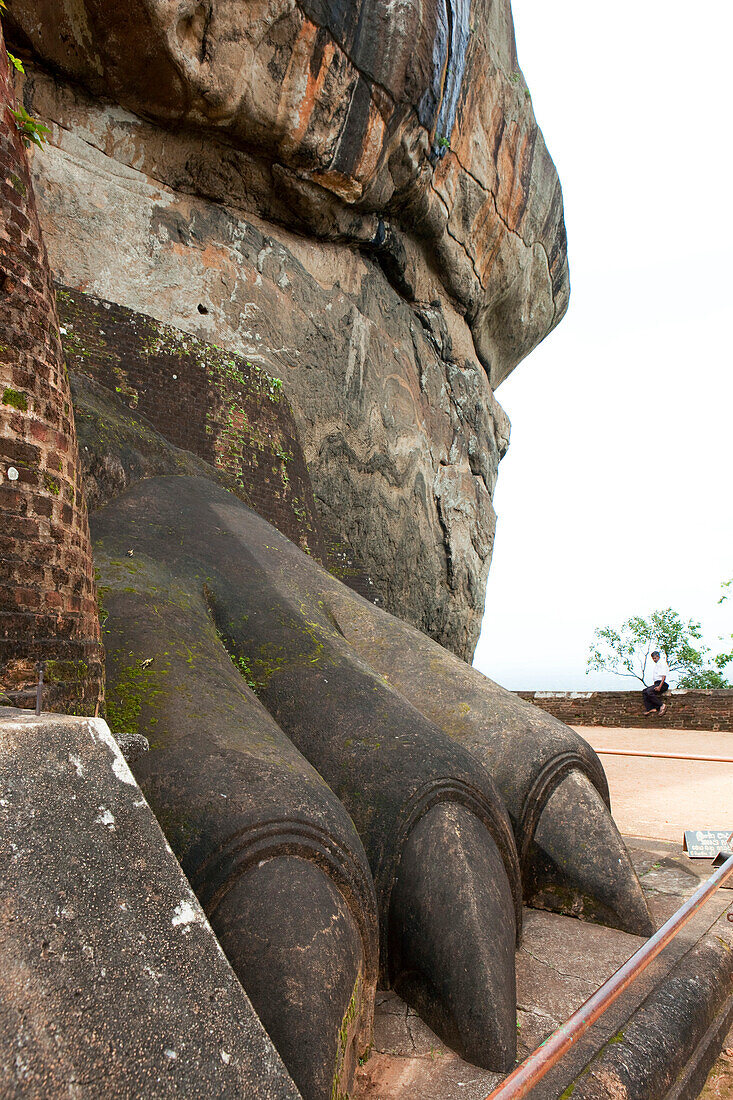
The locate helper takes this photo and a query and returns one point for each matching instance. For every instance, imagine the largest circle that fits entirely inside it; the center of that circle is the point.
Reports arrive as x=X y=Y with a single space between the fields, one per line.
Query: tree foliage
x=626 y=650
x=31 y=130
x=724 y=659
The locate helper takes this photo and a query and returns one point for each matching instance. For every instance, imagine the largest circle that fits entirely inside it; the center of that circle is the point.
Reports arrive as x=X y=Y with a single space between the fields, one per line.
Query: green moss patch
x=61 y=672
x=345 y=1034
x=15 y=399
x=51 y=484
x=132 y=688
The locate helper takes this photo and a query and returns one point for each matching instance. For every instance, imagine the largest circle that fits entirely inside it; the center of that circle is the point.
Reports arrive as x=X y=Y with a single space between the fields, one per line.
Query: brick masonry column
x=48 y=600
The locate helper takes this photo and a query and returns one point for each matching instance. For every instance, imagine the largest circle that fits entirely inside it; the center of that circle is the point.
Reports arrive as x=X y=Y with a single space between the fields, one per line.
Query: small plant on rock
x=31 y=130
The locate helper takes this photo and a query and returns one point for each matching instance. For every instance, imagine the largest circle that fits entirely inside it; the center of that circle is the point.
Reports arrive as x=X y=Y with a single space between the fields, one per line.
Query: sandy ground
x=661 y=798
x=657 y=798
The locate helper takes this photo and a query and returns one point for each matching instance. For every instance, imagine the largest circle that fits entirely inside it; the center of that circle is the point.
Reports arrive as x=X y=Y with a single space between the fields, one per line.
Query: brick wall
x=48 y=605
x=205 y=400
x=689 y=710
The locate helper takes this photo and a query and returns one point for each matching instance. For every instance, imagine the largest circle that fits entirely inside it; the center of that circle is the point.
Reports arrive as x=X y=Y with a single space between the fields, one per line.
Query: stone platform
x=657 y=1042
x=112 y=983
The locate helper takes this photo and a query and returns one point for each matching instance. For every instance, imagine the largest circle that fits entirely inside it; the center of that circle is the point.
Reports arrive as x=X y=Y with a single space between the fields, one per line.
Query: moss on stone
x=59 y=671
x=179 y=830
x=269 y=660
x=349 y=1017
x=242 y=664
x=17 y=184
x=15 y=399
x=130 y=689
x=51 y=484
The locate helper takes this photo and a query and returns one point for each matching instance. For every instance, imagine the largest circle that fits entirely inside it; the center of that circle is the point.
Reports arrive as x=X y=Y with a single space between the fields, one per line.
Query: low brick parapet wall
x=687 y=710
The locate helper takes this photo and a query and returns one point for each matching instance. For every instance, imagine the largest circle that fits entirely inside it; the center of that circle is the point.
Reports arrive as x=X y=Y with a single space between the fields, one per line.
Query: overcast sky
x=615 y=495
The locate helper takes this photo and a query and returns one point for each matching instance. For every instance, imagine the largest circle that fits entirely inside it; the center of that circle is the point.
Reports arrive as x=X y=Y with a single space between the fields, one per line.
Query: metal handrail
x=663 y=755
x=534 y=1068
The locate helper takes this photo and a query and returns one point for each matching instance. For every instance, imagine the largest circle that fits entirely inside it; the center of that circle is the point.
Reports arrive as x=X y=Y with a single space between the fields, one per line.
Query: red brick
x=42 y=609
x=693 y=709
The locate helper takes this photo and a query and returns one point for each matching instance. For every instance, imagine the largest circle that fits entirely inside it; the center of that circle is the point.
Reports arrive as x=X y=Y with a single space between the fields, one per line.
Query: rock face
x=357 y=199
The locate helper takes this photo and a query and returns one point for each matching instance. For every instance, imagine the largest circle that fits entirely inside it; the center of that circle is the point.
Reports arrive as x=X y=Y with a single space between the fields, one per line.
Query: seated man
x=652 y=695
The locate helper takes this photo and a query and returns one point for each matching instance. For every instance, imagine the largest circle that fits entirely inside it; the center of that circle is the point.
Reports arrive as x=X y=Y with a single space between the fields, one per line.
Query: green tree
x=723 y=659
x=626 y=650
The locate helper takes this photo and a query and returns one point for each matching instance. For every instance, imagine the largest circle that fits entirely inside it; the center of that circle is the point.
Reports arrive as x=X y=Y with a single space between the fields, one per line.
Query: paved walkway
x=658 y=798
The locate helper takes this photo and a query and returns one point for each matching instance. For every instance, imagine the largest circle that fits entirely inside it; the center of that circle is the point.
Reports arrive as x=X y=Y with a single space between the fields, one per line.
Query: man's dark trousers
x=653 y=698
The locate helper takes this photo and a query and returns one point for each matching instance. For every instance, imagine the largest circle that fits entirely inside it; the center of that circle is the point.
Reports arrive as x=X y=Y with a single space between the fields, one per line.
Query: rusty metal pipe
x=665 y=755
x=549 y=1053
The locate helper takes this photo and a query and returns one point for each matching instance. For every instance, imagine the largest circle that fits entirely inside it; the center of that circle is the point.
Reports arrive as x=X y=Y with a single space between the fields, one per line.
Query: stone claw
x=573 y=858
x=578 y=863
x=452 y=936
x=294 y=945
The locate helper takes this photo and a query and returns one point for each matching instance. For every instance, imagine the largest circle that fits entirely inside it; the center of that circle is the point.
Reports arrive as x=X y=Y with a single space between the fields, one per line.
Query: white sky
x=631 y=398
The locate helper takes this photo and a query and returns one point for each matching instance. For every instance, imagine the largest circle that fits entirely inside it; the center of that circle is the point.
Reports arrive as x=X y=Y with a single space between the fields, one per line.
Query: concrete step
x=111 y=980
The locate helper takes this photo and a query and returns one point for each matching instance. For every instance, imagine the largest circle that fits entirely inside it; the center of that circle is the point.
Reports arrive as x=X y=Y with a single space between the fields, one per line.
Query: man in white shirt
x=652 y=695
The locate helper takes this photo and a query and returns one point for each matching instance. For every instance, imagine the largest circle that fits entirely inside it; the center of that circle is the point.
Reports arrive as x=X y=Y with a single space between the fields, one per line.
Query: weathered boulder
x=418 y=113
x=403 y=140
